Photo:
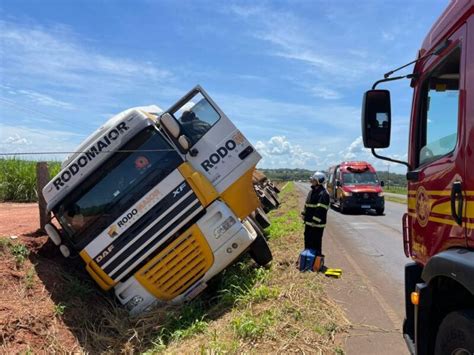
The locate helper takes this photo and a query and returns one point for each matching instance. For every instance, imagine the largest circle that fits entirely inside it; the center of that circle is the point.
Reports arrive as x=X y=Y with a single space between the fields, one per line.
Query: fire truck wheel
x=261 y=218
x=379 y=211
x=260 y=252
x=455 y=333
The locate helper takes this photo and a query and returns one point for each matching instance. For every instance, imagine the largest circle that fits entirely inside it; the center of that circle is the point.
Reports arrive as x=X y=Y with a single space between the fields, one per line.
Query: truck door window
x=196 y=117
x=439 y=128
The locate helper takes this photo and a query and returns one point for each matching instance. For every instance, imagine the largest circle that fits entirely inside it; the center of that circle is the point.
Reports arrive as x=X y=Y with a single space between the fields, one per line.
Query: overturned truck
x=156 y=203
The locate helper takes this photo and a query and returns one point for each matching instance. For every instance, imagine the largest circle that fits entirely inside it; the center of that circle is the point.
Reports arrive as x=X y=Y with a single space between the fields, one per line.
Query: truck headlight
x=380 y=194
x=347 y=193
x=224 y=227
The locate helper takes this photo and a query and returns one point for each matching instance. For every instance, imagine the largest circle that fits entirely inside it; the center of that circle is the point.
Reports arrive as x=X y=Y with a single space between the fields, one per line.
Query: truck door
x=437 y=152
x=217 y=148
x=469 y=158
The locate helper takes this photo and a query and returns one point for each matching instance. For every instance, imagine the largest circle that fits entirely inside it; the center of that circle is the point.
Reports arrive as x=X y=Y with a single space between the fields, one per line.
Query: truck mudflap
x=412 y=278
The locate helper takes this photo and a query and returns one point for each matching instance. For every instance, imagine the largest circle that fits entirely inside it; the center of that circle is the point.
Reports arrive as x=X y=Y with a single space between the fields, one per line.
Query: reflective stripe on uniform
x=312 y=205
x=317 y=219
x=311 y=224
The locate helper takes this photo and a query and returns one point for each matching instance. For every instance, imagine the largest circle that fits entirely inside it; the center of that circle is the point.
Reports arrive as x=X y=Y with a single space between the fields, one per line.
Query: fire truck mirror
x=376 y=119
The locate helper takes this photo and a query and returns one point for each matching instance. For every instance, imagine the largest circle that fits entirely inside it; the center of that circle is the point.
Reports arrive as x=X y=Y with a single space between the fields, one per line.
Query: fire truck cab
x=354 y=185
x=439 y=224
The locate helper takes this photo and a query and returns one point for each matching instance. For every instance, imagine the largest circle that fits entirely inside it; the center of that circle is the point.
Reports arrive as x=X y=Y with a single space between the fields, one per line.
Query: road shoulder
x=365 y=294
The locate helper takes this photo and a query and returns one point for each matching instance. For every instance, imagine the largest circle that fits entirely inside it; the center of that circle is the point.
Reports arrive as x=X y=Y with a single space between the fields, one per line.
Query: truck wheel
x=274 y=195
x=276 y=189
x=268 y=202
x=271 y=194
x=261 y=218
x=255 y=226
x=260 y=252
x=379 y=211
x=342 y=209
x=455 y=333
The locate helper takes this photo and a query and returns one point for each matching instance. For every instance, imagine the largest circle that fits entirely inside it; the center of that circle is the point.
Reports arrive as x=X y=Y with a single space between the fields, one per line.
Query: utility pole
x=388 y=175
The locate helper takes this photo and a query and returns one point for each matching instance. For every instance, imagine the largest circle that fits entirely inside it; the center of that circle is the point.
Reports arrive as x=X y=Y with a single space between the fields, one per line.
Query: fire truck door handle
x=456 y=194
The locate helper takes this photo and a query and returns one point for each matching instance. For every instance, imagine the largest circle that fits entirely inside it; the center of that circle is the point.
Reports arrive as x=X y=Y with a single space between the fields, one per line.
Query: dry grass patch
x=285 y=311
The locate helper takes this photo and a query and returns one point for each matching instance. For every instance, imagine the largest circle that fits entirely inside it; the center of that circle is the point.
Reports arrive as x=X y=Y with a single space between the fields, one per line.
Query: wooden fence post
x=42 y=178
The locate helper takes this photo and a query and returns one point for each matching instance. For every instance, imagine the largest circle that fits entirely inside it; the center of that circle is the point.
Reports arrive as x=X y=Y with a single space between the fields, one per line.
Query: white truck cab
x=156 y=202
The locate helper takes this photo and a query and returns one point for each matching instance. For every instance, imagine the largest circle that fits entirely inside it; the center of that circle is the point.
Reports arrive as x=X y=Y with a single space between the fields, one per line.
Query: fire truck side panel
x=469 y=112
x=432 y=227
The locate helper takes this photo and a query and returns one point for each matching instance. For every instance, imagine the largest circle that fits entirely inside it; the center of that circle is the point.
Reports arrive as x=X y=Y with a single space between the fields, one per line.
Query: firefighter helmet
x=319 y=177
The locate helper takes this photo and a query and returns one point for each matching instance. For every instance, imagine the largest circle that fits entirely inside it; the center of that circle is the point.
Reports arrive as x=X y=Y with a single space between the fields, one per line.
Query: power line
x=88 y=151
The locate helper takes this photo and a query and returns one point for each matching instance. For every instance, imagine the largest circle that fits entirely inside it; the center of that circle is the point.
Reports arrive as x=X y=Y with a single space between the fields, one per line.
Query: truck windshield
x=364 y=178
x=121 y=181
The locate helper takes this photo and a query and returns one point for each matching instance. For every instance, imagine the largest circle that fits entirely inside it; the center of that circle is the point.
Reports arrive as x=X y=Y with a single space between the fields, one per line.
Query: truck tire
x=261 y=218
x=255 y=225
x=274 y=195
x=276 y=189
x=269 y=194
x=379 y=211
x=268 y=203
x=455 y=333
x=260 y=252
x=342 y=209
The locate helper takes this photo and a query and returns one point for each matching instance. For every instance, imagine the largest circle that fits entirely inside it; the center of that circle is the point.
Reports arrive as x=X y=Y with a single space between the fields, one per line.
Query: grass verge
x=18 y=179
x=246 y=309
x=396 y=199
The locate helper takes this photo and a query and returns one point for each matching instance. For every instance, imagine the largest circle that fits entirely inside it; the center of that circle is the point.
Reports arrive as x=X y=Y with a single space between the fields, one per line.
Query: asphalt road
x=369 y=250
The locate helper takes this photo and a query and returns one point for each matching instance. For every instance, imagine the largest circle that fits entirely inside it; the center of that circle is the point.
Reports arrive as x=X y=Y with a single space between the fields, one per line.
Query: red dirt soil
x=28 y=321
x=18 y=219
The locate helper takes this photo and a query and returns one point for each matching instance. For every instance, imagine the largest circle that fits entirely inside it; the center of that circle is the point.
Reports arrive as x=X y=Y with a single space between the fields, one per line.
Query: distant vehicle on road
x=354 y=185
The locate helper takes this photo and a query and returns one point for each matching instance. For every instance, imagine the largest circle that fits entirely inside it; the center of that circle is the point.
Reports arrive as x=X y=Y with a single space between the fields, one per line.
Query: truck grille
x=178 y=266
x=365 y=196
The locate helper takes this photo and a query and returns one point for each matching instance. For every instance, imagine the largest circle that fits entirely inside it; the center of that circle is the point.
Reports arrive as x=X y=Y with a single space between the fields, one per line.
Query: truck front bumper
x=351 y=202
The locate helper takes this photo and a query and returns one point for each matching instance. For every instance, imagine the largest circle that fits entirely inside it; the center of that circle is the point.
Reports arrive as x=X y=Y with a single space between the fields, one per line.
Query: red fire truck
x=439 y=224
x=354 y=185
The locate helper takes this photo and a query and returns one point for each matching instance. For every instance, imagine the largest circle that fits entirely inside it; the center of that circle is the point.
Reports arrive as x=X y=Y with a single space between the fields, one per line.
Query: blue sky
x=290 y=74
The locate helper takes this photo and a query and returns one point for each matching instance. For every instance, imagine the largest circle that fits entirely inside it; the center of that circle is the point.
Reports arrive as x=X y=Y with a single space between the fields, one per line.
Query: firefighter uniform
x=314 y=214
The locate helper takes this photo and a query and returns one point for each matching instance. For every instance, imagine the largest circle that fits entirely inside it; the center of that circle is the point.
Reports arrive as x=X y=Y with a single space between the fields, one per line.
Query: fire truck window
x=440 y=114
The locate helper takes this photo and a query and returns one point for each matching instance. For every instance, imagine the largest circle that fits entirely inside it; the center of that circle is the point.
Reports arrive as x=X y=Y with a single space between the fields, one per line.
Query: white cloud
x=278 y=152
x=355 y=150
x=45 y=100
x=56 y=53
x=325 y=93
x=20 y=139
x=289 y=37
x=15 y=139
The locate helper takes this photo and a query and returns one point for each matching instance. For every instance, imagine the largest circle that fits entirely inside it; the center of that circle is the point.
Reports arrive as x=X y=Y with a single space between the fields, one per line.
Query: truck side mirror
x=170 y=125
x=184 y=142
x=376 y=119
x=338 y=183
x=382 y=183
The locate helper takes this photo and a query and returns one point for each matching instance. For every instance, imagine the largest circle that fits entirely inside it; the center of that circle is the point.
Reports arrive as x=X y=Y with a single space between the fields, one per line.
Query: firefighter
x=315 y=212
